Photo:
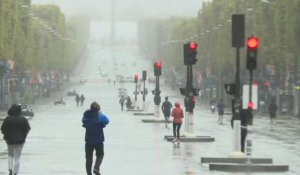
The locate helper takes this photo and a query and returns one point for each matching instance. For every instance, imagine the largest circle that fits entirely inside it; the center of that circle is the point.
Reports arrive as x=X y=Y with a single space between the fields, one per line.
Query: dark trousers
x=176 y=130
x=89 y=149
x=122 y=106
x=167 y=116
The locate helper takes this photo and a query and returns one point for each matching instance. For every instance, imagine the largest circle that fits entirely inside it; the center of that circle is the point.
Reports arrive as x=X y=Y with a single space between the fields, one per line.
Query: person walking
x=122 y=101
x=15 y=129
x=273 y=110
x=94 y=121
x=82 y=98
x=166 y=109
x=77 y=99
x=177 y=114
x=129 y=103
x=220 y=111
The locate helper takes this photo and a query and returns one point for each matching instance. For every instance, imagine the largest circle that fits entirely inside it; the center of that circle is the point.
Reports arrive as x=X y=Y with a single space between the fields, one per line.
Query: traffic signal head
x=251 y=105
x=144 y=75
x=157 y=68
x=192 y=104
x=252 y=47
x=157 y=99
x=230 y=88
x=190 y=53
x=136 y=78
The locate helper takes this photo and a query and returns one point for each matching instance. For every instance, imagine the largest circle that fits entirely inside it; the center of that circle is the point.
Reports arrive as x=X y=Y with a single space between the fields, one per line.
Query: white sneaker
x=174 y=140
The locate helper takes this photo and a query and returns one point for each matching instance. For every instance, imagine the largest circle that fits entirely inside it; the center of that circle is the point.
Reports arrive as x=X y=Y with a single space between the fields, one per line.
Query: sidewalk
x=54 y=95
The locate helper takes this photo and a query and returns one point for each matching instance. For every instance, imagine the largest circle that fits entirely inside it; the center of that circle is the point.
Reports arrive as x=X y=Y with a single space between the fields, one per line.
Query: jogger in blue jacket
x=94 y=121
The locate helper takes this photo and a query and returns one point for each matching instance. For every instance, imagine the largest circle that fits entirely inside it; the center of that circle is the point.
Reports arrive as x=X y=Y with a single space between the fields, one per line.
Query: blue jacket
x=94 y=122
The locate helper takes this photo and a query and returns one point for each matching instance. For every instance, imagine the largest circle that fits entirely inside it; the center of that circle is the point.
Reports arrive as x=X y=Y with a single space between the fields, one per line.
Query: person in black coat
x=82 y=98
x=273 y=110
x=166 y=109
x=220 y=111
x=15 y=129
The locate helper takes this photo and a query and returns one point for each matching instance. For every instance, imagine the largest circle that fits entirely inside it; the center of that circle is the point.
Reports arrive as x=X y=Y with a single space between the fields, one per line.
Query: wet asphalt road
x=55 y=145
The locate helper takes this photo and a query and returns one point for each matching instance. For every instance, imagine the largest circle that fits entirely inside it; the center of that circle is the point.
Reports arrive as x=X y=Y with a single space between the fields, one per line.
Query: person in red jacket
x=177 y=114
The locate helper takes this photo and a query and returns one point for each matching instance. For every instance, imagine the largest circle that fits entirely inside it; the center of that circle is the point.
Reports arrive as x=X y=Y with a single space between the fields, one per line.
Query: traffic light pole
x=157 y=96
x=135 y=95
x=236 y=118
x=144 y=94
x=237 y=95
x=189 y=118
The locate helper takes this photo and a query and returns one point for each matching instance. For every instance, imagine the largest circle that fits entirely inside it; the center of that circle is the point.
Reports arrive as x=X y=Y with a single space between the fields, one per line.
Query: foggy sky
x=127 y=9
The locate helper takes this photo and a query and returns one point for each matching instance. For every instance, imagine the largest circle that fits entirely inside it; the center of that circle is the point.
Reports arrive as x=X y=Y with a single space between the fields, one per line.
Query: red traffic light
x=194 y=100
x=158 y=64
x=253 y=42
x=267 y=83
x=136 y=78
x=193 y=45
x=250 y=105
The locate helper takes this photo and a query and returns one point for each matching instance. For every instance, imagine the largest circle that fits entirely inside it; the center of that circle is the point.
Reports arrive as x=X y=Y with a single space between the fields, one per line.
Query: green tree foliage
x=275 y=22
x=38 y=37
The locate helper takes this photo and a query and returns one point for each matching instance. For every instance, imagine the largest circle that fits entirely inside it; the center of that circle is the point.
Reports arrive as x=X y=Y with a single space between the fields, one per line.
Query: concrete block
x=191 y=139
x=135 y=110
x=236 y=160
x=153 y=120
x=237 y=154
x=144 y=114
x=248 y=167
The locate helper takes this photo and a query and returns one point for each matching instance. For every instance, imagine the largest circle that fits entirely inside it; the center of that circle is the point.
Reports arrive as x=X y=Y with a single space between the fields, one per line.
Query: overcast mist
x=128 y=9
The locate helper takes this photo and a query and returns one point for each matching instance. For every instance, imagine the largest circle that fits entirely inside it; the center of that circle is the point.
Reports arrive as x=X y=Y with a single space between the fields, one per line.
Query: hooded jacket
x=94 y=122
x=15 y=127
x=177 y=113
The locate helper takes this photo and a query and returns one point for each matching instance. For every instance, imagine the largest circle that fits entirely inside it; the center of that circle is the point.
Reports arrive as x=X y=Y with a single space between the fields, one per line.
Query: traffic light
x=189 y=104
x=144 y=75
x=136 y=78
x=157 y=99
x=190 y=53
x=252 y=46
x=192 y=103
x=251 y=105
x=157 y=68
x=230 y=88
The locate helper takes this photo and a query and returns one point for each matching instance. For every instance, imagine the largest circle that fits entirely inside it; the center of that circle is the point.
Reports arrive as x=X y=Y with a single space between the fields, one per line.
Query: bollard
x=237 y=136
x=186 y=125
x=191 y=124
x=144 y=106
x=249 y=148
x=156 y=111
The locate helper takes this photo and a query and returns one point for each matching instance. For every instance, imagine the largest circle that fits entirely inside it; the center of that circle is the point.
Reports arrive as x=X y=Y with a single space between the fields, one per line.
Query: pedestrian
x=77 y=99
x=15 y=129
x=262 y=107
x=272 y=110
x=220 y=111
x=82 y=99
x=128 y=103
x=166 y=109
x=94 y=121
x=122 y=101
x=177 y=114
